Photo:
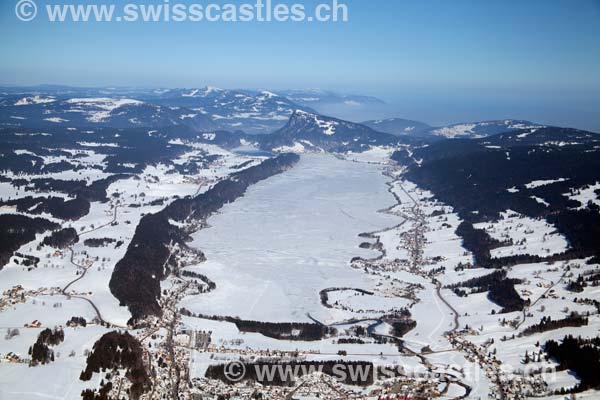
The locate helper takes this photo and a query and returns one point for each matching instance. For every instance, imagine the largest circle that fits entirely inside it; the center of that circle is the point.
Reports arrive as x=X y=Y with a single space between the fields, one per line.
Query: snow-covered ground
x=525 y=236
x=272 y=251
x=586 y=195
x=130 y=199
x=57 y=380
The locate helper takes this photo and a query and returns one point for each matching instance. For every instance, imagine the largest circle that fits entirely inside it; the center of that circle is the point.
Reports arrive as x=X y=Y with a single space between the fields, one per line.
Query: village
x=176 y=352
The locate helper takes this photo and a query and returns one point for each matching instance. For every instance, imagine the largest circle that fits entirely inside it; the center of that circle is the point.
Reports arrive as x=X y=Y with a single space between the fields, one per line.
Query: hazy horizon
x=555 y=109
x=436 y=61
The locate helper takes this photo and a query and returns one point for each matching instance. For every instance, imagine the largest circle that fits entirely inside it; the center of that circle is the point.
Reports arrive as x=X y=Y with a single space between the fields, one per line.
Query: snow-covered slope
x=467 y=130
x=317 y=132
x=473 y=130
x=250 y=111
x=398 y=126
x=38 y=111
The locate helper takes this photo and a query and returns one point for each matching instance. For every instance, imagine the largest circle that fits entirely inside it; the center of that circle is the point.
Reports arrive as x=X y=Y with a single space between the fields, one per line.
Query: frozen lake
x=272 y=251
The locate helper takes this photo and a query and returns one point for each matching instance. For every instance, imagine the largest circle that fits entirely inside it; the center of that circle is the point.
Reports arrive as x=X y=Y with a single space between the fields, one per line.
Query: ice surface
x=289 y=237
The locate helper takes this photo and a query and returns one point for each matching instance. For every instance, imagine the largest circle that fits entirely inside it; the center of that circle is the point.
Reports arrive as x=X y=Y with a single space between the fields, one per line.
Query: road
x=417 y=259
x=526 y=309
x=411 y=213
x=419 y=218
x=84 y=270
x=438 y=291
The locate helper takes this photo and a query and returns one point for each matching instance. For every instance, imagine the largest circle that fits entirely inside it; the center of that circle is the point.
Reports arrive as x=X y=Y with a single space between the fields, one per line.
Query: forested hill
x=534 y=172
x=149 y=258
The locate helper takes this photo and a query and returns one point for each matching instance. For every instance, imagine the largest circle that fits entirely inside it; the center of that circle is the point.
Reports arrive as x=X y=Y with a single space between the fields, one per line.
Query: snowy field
x=586 y=195
x=289 y=237
x=130 y=199
x=524 y=235
x=274 y=250
x=57 y=380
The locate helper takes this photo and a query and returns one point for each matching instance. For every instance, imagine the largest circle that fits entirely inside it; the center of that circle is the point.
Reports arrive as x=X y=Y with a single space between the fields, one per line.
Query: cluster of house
x=476 y=354
x=379 y=265
x=12 y=296
x=405 y=388
x=526 y=293
x=246 y=390
x=17 y=295
x=310 y=386
x=12 y=358
x=512 y=387
x=198 y=340
x=259 y=353
x=166 y=376
x=15 y=291
x=197 y=180
x=323 y=387
x=544 y=285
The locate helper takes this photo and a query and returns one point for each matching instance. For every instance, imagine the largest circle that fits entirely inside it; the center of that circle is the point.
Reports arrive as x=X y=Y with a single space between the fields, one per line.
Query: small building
x=12 y=357
x=34 y=324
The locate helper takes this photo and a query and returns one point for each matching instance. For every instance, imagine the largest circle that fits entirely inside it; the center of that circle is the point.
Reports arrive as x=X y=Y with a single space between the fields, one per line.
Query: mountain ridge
x=313 y=131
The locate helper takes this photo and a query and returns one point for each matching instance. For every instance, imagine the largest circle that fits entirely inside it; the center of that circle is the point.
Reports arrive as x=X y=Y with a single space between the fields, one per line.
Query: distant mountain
x=474 y=130
x=468 y=130
x=315 y=98
x=210 y=108
x=310 y=131
x=398 y=126
x=252 y=112
x=62 y=91
x=43 y=110
x=549 y=137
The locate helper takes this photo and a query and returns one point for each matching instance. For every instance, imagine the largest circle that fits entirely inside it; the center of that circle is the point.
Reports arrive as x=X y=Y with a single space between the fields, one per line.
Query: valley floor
x=345 y=244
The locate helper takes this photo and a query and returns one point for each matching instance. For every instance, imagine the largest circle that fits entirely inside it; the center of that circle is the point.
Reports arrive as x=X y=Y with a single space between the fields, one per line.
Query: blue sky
x=438 y=61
